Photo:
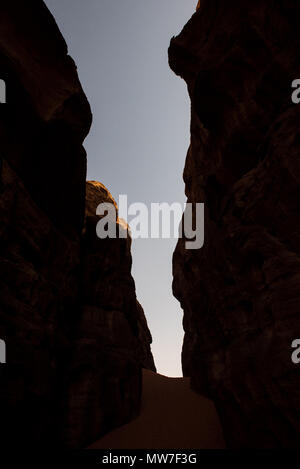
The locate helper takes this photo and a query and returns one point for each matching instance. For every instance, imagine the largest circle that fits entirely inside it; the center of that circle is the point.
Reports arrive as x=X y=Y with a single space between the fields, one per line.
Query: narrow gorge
x=77 y=341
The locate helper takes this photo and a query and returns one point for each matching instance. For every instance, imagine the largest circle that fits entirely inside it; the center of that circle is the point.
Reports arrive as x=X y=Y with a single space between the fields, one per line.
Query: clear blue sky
x=140 y=133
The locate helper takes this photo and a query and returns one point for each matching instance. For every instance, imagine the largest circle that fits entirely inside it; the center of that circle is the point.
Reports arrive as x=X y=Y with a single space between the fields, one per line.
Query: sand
x=172 y=417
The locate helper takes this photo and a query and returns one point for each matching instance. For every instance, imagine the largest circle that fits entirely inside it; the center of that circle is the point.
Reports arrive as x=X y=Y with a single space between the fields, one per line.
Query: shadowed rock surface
x=240 y=292
x=112 y=339
x=114 y=289
x=68 y=311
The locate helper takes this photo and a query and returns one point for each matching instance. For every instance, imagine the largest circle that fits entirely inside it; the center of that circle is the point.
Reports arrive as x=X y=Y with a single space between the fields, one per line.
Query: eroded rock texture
x=240 y=292
x=112 y=339
x=56 y=278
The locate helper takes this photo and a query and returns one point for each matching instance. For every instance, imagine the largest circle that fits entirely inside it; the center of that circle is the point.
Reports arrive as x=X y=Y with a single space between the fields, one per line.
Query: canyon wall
x=75 y=334
x=241 y=291
x=112 y=340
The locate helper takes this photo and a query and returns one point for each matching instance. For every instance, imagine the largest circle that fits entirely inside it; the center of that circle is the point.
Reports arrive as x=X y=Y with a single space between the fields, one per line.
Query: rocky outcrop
x=240 y=292
x=112 y=339
x=114 y=290
x=68 y=312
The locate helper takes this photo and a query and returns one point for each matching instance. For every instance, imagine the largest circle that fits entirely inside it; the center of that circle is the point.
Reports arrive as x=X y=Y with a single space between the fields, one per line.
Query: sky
x=140 y=133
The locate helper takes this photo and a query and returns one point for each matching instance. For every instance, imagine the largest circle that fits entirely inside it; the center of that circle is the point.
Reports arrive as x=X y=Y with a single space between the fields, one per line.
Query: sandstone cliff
x=240 y=292
x=76 y=336
x=112 y=340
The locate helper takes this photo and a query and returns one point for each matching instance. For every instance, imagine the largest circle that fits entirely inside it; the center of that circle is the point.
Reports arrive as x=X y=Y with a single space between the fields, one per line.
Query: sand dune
x=172 y=417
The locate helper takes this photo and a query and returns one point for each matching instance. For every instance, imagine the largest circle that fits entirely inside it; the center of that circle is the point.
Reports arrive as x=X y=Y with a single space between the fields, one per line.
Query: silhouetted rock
x=50 y=282
x=113 y=287
x=112 y=339
x=240 y=292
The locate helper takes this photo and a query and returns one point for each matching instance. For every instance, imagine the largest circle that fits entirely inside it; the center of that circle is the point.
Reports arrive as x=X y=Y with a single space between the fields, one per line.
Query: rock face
x=112 y=339
x=115 y=289
x=241 y=291
x=68 y=312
